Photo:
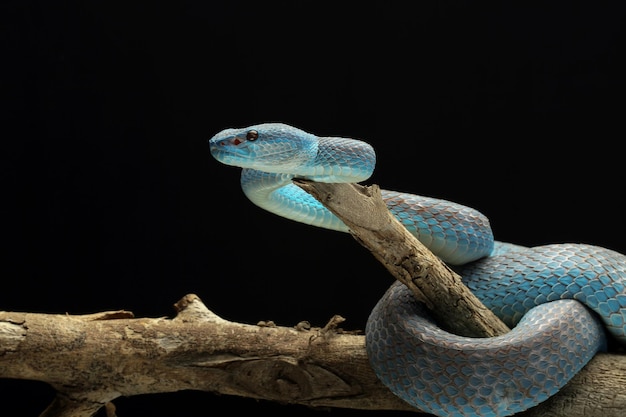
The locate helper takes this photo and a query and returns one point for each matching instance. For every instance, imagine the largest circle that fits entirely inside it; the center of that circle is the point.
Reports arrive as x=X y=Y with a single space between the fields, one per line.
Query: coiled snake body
x=558 y=298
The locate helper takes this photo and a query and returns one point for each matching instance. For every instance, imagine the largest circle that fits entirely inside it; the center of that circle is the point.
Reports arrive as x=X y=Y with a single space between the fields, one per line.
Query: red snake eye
x=252 y=135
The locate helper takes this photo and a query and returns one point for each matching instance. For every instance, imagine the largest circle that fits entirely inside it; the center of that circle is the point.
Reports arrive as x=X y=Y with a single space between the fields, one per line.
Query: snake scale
x=562 y=301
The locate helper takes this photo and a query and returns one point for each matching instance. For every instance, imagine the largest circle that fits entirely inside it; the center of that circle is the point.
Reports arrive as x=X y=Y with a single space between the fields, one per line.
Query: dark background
x=110 y=199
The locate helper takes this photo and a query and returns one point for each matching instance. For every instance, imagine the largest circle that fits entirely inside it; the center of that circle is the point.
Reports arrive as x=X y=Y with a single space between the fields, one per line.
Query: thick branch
x=91 y=360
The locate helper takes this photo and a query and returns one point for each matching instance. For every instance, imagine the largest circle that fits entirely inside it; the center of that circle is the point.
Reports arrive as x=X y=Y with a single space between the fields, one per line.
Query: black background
x=110 y=199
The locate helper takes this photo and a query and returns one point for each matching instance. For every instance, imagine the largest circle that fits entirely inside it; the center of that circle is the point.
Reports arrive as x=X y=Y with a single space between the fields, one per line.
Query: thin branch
x=363 y=210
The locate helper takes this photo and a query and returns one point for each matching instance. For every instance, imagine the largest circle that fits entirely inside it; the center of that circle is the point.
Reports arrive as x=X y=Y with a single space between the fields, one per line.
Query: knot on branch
x=287 y=380
x=190 y=308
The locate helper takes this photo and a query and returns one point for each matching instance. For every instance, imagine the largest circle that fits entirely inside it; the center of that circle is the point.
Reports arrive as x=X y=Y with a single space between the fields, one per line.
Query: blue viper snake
x=562 y=301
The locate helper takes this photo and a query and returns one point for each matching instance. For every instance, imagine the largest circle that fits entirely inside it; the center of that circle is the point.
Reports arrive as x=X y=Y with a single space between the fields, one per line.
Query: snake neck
x=336 y=160
x=277 y=194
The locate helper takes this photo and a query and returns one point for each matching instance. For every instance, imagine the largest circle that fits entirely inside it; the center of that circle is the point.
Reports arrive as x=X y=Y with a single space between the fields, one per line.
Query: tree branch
x=91 y=360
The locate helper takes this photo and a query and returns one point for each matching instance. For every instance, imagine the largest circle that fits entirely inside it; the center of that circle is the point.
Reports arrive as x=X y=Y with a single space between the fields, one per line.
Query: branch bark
x=91 y=360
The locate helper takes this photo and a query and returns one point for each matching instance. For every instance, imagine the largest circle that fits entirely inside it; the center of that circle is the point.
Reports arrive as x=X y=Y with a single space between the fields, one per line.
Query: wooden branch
x=91 y=360
x=363 y=210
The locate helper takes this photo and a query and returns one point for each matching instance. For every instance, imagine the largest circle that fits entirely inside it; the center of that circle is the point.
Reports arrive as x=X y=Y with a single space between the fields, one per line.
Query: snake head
x=269 y=147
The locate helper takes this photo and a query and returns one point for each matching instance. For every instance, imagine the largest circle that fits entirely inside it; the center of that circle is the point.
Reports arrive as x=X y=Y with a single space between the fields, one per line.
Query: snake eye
x=252 y=135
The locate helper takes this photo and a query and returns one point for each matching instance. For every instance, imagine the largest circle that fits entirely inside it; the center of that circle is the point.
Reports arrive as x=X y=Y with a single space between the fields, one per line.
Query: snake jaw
x=228 y=151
